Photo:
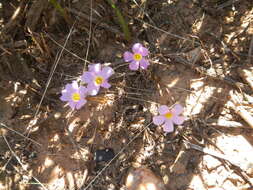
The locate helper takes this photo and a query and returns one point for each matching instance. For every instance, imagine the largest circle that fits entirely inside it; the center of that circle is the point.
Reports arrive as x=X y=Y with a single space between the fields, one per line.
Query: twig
x=215 y=154
x=2 y=124
x=142 y=9
x=53 y=70
x=89 y=39
x=238 y=108
x=94 y=21
x=16 y=17
x=19 y=161
x=166 y=32
x=57 y=59
x=247 y=75
x=5 y=50
x=204 y=71
x=75 y=55
x=250 y=52
x=228 y=3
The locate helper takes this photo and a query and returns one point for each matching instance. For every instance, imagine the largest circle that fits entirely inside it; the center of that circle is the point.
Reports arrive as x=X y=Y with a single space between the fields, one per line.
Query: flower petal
x=72 y=104
x=69 y=88
x=177 y=109
x=80 y=103
x=65 y=96
x=178 y=119
x=107 y=72
x=134 y=65
x=105 y=84
x=128 y=56
x=87 y=77
x=163 y=109
x=144 y=63
x=92 y=89
x=95 y=68
x=75 y=86
x=136 y=48
x=83 y=91
x=158 y=120
x=168 y=127
x=143 y=51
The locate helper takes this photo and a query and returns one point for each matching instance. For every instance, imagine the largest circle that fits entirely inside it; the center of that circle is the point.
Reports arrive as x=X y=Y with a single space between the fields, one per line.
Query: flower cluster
x=97 y=76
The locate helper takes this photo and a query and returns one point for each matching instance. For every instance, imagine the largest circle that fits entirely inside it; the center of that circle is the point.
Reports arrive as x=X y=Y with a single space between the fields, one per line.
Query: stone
x=143 y=179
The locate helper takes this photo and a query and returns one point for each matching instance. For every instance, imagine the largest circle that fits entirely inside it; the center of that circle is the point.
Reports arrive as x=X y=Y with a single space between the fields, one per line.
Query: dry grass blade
x=238 y=108
x=228 y=3
x=166 y=32
x=2 y=124
x=19 y=161
x=75 y=55
x=89 y=39
x=250 y=53
x=142 y=9
x=94 y=21
x=53 y=70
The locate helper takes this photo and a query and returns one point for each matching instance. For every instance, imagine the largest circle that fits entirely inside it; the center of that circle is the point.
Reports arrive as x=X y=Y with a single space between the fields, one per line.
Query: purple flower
x=169 y=117
x=74 y=95
x=136 y=58
x=97 y=76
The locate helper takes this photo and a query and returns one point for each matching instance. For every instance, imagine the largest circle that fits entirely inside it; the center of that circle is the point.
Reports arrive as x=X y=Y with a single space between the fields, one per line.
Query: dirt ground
x=198 y=53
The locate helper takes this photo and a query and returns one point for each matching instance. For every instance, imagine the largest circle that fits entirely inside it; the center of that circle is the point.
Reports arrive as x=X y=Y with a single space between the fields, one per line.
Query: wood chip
x=238 y=108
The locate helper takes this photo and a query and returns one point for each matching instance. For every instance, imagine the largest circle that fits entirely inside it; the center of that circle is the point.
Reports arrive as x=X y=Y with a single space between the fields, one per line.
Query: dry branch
x=238 y=108
x=247 y=75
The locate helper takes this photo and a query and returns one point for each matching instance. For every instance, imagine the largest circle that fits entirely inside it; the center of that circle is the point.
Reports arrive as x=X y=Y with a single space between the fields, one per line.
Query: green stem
x=121 y=20
x=61 y=10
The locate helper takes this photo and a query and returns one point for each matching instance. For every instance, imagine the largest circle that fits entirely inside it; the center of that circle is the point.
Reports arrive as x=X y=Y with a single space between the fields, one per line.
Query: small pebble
x=143 y=179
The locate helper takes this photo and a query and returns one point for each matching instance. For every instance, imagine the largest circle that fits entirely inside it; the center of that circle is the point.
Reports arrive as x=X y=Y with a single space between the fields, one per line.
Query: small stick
x=94 y=21
x=250 y=52
x=228 y=3
x=5 y=126
x=244 y=115
x=247 y=75
x=213 y=153
x=19 y=161
x=238 y=108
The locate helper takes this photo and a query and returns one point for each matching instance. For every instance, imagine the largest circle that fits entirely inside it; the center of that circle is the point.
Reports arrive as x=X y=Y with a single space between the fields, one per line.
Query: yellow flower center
x=168 y=115
x=99 y=80
x=137 y=57
x=76 y=97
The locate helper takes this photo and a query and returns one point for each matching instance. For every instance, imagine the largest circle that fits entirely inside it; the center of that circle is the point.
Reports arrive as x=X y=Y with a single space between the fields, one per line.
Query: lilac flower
x=137 y=57
x=74 y=95
x=97 y=76
x=169 y=117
